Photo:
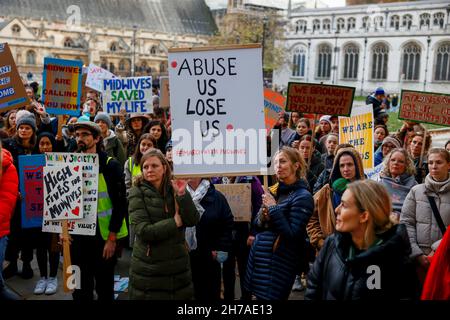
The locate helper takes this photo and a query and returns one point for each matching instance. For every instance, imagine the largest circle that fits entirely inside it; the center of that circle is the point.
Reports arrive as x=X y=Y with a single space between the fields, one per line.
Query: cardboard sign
x=164 y=102
x=90 y=171
x=131 y=94
x=320 y=99
x=12 y=91
x=216 y=97
x=31 y=189
x=357 y=130
x=425 y=107
x=62 y=192
x=273 y=104
x=61 y=91
x=239 y=197
x=95 y=76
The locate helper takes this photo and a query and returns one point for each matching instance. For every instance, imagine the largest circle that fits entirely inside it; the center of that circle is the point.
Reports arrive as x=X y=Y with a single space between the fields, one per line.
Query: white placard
x=90 y=170
x=95 y=76
x=217 y=110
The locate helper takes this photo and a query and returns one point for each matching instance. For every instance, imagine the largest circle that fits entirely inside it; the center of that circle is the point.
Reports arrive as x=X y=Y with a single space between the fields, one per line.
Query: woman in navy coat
x=276 y=253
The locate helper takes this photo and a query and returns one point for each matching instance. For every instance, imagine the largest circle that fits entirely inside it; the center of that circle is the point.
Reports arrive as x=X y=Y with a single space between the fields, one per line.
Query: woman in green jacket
x=160 y=268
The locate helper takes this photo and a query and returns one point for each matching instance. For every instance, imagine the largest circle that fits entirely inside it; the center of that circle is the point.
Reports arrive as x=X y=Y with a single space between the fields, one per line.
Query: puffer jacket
x=160 y=268
x=9 y=190
x=418 y=217
x=339 y=275
x=275 y=256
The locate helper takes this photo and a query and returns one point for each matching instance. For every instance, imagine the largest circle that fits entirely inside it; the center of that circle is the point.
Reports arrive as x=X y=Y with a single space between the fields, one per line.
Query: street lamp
x=133 y=62
x=265 y=20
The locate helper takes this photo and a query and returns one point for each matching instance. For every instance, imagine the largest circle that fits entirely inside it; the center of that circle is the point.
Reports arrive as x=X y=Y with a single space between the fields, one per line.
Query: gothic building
x=394 y=45
x=125 y=37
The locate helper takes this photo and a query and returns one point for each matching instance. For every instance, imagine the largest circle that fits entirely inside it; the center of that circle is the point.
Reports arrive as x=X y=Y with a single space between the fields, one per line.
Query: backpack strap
x=437 y=216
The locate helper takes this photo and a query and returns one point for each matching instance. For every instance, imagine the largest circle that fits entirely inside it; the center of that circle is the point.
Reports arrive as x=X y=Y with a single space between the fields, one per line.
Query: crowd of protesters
x=320 y=226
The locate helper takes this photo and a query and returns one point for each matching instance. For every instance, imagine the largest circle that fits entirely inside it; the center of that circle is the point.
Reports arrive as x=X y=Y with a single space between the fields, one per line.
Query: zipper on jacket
x=148 y=251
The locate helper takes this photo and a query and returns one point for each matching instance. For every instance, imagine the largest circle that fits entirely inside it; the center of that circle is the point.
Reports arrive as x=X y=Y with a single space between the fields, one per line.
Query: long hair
x=410 y=167
x=373 y=197
x=11 y=130
x=20 y=141
x=167 y=172
x=161 y=142
x=295 y=157
x=137 y=156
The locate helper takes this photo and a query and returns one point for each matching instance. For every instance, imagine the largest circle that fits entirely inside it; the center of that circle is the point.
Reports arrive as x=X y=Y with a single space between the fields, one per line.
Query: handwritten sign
x=62 y=192
x=131 y=94
x=273 y=104
x=90 y=170
x=61 y=91
x=320 y=99
x=95 y=76
x=239 y=197
x=164 y=102
x=357 y=130
x=32 y=189
x=215 y=94
x=12 y=91
x=425 y=107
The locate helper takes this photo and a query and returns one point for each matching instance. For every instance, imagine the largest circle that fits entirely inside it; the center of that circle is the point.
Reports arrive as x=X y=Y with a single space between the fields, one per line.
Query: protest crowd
x=323 y=224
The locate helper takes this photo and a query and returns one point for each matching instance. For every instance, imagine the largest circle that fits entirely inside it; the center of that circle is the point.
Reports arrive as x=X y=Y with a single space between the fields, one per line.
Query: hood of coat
x=112 y=135
x=7 y=159
x=405 y=180
x=336 y=172
x=437 y=187
x=395 y=244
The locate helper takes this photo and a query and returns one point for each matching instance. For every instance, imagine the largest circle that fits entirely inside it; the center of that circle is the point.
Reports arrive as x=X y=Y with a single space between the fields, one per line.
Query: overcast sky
x=214 y=4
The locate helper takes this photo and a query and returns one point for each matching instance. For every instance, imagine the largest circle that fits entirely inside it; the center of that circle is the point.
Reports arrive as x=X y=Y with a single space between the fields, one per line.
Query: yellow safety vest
x=104 y=210
x=135 y=170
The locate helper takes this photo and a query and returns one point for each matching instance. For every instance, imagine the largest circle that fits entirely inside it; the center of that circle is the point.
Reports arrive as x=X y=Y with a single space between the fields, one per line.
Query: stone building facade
x=394 y=45
x=107 y=33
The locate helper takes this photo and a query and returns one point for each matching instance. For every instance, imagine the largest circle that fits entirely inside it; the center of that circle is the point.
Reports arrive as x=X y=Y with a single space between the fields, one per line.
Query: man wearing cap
x=95 y=255
x=113 y=146
x=376 y=100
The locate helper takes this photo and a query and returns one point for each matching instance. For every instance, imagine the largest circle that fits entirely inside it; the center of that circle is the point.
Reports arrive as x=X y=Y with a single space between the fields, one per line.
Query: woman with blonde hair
x=276 y=253
x=367 y=256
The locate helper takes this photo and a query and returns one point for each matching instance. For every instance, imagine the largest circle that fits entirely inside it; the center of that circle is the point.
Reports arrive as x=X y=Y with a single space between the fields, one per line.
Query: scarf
x=197 y=196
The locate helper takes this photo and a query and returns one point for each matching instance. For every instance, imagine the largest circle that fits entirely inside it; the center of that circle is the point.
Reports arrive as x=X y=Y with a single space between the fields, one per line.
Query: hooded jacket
x=9 y=190
x=339 y=275
x=114 y=148
x=418 y=217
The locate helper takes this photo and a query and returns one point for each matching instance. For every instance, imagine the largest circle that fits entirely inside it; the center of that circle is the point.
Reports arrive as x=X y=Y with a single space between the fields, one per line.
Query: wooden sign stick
x=423 y=148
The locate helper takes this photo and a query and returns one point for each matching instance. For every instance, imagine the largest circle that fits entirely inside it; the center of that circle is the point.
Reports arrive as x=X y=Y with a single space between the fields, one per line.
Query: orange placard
x=273 y=104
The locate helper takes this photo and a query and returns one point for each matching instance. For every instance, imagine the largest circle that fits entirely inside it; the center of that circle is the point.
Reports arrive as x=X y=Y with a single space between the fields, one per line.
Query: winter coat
x=340 y=272
x=275 y=256
x=315 y=169
x=9 y=190
x=16 y=149
x=418 y=217
x=375 y=104
x=216 y=224
x=160 y=268
x=398 y=189
x=114 y=148
x=327 y=160
x=323 y=179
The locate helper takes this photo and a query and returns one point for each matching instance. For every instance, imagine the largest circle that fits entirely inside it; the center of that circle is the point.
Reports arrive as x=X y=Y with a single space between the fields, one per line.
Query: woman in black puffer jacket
x=276 y=253
x=368 y=256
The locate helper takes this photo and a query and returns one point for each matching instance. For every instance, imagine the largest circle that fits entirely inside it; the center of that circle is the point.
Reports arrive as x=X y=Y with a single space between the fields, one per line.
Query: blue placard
x=61 y=91
x=31 y=188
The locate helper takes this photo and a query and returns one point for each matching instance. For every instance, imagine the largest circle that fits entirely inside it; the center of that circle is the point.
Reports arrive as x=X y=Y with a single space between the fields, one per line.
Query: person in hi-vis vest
x=96 y=255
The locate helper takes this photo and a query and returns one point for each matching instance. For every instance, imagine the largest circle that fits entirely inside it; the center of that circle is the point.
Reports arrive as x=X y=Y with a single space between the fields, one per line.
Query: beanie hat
x=28 y=119
x=392 y=140
x=103 y=116
x=326 y=118
x=168 y=145
x=379 y=90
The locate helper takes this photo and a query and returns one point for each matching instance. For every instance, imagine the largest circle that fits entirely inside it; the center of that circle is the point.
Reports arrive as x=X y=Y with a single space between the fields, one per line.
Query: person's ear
x=364 y=217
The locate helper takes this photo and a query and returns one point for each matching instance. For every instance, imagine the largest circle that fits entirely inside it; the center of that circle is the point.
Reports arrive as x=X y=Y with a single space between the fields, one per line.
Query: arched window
x=68 y=43
x=104 y=64
x=411 y=61
x=351 y=24
x=299 y=62
x=438 y=19
x=351 y=60
x=300 y=26
x=407 y=21
x=366 y=23
x=114 y=47
x=122 y=64
x=112 y=68
x=143 y=66
x=162 y=67
x=31 y=57
x=15 y=29
x=340 y=24
x=316 y=25
x=442 y=62
x=395 y=22
x=327 y=24
x=425 y=19
x=324 y=61
x=378 y=22
x=380 y=55
x=153 y=50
